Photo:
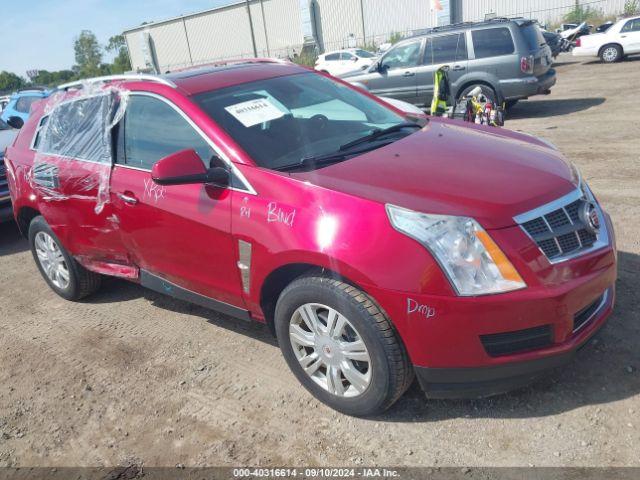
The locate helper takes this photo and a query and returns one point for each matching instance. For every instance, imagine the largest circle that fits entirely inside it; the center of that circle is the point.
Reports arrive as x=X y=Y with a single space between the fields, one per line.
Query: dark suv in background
x=508 y=58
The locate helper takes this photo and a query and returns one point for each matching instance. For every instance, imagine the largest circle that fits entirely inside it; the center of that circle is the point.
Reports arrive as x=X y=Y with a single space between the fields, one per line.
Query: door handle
x=623 y=36
x=408 y=74
x=458 y=67
x=130 y=199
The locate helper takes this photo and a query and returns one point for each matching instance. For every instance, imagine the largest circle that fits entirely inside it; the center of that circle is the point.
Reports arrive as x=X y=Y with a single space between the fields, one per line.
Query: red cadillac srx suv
x=377 y=249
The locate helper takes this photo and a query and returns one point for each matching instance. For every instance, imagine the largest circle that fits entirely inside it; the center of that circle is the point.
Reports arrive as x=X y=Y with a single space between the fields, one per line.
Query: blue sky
x=40 y=33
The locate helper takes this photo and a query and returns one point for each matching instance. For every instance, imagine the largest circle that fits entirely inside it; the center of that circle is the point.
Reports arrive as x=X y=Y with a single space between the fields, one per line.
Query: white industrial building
x=282 y=28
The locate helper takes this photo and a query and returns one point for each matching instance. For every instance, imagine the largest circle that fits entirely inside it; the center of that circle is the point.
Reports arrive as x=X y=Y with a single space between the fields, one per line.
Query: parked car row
x=19 y=104
x=618 y=41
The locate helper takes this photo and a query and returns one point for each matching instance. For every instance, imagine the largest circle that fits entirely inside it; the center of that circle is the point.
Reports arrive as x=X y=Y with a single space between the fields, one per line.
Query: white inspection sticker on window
x=254 y=112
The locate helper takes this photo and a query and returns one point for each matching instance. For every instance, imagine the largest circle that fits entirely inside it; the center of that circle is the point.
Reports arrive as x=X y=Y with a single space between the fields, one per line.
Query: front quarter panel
x=294 y=222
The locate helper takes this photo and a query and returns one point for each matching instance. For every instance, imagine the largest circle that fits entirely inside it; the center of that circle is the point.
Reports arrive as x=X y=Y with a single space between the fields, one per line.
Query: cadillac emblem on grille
x=589 y=216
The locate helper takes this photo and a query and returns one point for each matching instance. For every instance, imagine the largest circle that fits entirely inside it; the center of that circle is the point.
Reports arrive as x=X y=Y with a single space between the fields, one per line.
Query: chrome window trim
x=602 y=238
x=235 y=171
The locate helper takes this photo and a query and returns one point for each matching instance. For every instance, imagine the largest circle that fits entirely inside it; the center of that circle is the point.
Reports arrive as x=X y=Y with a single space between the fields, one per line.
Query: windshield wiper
x=323 y=160
x=377 y=133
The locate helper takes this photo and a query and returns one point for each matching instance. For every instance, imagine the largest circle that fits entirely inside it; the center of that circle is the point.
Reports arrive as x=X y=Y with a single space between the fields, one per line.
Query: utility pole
x=264 y=26
x=364 y=35
x=253 y=36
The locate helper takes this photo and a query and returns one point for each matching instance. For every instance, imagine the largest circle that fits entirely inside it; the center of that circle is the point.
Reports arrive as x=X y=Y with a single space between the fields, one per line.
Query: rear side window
x=38 y=135
x=632 y=26
x=492 y=42
x=154 y=130
x=23 y=105
x=445 y=49
x=533 y=36
x=332 y=57
x=77 y=129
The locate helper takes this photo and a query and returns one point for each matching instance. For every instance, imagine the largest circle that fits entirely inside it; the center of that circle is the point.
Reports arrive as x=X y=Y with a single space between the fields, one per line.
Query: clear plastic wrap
x=76 y=136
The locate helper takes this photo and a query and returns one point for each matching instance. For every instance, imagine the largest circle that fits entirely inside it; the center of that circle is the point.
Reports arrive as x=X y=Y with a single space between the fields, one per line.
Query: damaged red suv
x=377 y=249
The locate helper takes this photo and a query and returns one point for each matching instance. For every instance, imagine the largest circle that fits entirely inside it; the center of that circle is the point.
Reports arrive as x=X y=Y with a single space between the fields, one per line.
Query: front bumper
x=477 y=382
x=6 y=211
x=517 y=88
x=452 y=340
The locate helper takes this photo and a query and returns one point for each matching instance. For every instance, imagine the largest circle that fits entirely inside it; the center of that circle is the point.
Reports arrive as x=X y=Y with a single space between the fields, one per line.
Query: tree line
x=89 y=55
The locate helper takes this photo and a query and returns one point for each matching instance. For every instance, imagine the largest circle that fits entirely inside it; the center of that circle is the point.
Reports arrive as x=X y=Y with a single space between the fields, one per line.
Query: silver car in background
x=7 y=135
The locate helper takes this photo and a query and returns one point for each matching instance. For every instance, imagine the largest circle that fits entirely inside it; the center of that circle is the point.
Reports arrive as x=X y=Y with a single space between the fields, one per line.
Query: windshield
x=364 y=54
x=533 y=36
x=281 y=121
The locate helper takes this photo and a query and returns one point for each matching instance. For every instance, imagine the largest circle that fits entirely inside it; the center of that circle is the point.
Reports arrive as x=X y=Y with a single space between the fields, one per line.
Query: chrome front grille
x=558 y=229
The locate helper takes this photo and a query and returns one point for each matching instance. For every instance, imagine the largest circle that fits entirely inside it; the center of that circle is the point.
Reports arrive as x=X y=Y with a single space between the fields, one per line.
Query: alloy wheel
x=610 y=54
x=330 y=350
x=51 y=260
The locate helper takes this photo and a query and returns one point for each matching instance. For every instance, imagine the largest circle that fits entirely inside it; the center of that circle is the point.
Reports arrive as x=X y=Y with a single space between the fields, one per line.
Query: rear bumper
x=477 y=382
x=585 y=52
x=516 y=88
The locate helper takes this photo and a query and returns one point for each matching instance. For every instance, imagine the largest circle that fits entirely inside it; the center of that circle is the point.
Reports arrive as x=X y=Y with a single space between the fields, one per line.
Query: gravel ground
x=130 y=376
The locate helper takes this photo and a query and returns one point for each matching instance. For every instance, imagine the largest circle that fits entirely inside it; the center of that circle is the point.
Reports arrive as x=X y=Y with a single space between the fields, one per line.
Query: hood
x=490 y=174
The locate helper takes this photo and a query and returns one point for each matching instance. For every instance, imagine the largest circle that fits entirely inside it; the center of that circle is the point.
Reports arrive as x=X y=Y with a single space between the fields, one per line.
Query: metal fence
x=278 y=30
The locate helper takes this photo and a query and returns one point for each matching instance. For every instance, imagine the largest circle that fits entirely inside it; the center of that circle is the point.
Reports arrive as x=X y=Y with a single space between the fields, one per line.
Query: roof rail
x=461 y=25
x=127 y=77
x=32 y=89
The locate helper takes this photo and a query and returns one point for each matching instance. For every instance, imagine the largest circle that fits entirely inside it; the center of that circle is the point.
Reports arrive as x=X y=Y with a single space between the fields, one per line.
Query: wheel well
x=25 y=215
x=475 y=82
x=610 y=45
x=278 y=280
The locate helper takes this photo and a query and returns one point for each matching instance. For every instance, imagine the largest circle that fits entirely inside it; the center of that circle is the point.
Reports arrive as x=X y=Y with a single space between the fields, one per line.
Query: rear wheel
x=341 y=346
x=486 y=90
x=60 y=270
x=611 y=53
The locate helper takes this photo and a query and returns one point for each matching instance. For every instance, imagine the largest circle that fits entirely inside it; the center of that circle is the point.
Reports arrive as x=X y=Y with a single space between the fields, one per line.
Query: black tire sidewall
x=320 y=290
x=486 y=90
x=71 y=292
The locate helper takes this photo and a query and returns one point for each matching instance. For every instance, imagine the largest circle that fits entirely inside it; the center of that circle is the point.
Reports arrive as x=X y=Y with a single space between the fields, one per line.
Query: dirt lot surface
x=132 y=376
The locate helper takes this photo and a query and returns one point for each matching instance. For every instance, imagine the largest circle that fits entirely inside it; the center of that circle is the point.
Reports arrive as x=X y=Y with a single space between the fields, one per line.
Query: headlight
x=473 y=262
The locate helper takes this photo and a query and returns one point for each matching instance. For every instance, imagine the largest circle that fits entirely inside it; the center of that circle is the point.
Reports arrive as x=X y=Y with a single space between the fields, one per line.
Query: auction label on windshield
x=254 y=112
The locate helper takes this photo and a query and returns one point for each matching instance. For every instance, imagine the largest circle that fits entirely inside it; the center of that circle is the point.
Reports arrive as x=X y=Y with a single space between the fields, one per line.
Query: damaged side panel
x=71 y=173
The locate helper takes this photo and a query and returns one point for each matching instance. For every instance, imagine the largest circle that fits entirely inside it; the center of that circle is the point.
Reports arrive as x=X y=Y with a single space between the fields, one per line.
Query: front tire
x=60 y=270
x=611 y=53
x=341 y=346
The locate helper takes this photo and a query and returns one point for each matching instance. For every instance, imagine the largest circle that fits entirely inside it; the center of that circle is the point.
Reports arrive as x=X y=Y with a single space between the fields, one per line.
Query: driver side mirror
x=15 y=122
x=380 y=67
x=186 y=168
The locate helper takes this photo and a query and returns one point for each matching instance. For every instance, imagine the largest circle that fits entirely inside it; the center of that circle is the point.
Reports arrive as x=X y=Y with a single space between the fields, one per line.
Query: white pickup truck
x=622 y=39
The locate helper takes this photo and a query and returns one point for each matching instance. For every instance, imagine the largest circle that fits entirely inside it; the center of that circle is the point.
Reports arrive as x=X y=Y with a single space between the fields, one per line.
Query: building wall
x=545 y=11
x=338 y=20
x=221 y=34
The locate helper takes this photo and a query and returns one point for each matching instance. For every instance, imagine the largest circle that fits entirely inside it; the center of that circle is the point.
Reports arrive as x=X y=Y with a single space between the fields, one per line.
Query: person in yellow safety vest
x=441 y=91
